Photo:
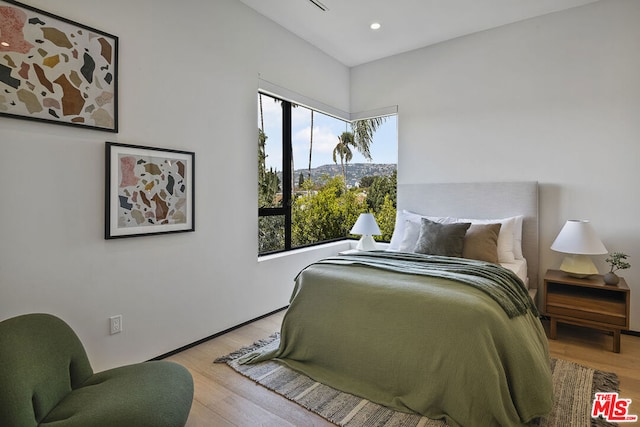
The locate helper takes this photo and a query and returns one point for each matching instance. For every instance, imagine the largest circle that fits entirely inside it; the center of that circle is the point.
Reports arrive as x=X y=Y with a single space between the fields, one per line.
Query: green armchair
x=46 y=380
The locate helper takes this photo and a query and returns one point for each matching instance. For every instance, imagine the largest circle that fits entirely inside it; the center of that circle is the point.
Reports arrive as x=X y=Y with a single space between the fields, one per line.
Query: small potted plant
x=617 y=261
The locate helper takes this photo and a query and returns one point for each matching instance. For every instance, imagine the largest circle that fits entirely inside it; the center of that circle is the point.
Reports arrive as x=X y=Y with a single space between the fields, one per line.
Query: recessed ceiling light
x=375 y=26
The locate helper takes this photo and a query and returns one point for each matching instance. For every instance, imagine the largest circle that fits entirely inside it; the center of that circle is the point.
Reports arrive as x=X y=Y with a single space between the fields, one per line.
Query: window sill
x=340 y=245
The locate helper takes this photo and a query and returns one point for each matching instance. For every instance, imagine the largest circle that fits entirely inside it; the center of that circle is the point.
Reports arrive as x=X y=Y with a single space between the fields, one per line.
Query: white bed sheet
x=518 y=266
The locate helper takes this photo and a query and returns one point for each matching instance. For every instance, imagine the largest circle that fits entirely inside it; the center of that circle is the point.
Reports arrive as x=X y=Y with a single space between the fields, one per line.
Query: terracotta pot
x=611 y=278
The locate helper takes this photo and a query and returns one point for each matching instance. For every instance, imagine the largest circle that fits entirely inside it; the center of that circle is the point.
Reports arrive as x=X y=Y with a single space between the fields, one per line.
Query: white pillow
x=509 y=238
x=411 y=235
x=398 y=231
x=404 y=238
x=506 y=238
x=517 y=238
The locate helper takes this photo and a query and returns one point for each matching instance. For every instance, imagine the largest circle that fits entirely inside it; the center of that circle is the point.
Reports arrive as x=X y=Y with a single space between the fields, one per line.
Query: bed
x=482 y=200
x=447 y=337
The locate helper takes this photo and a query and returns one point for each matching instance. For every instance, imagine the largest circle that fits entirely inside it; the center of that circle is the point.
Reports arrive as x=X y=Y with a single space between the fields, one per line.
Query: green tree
x=268 y=181
x=381 y=187
x=343 y=150
x=327 y=214
x=262 y=156
x=386 y=218
x=366 y=181
x=271 y=228
x=270 y=233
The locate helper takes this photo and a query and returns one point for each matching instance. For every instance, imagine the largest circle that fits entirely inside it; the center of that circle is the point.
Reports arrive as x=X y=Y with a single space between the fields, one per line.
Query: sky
x=326 y=130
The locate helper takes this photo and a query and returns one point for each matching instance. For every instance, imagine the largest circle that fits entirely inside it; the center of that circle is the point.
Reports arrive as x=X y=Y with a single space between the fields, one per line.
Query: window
x=317 y=173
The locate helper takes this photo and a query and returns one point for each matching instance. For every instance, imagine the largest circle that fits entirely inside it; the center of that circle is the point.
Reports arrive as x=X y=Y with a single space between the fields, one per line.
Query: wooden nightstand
x=586 y=302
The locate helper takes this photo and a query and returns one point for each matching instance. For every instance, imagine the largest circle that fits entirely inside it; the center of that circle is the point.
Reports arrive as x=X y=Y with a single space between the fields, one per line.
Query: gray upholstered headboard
x=482 y=200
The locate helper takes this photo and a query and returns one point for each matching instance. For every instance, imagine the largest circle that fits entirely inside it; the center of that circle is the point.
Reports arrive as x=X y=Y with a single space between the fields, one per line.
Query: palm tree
x=261 y=112
x=363 y=131
x=310 y=147
x=343 y=150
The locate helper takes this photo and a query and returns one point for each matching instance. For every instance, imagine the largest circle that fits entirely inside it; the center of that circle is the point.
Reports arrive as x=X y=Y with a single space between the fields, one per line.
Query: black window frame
x=287 y=153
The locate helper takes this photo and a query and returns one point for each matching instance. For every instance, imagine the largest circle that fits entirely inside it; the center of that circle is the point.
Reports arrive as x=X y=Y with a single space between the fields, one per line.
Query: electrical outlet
x=115 y=324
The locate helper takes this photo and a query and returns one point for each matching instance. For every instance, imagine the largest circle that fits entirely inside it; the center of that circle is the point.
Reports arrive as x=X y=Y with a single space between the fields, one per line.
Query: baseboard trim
x=203 y=340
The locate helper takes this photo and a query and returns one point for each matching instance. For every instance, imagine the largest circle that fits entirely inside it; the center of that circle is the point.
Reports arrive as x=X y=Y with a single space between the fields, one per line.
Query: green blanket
x=416 y=343
x=501 y=284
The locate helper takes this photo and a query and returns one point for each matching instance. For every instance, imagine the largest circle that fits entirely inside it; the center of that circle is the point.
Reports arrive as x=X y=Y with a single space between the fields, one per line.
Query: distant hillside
x=355 y=171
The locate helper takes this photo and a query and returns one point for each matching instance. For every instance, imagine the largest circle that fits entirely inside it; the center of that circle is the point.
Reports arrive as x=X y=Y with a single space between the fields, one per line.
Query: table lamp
x=367 y=226
x=578 y=240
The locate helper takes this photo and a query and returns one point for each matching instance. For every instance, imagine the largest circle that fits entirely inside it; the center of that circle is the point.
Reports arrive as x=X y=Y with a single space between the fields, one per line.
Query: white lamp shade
x=578 y=237
x=366 y=225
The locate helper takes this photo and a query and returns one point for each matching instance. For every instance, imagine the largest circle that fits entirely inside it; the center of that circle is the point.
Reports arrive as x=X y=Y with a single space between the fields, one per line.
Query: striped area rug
x=574 y=387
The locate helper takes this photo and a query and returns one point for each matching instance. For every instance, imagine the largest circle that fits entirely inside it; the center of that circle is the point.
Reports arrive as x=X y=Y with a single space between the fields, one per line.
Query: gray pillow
x=441 y=239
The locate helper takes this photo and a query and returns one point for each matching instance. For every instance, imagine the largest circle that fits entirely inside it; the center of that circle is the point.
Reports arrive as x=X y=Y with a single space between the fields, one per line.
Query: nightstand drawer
x=603 y=311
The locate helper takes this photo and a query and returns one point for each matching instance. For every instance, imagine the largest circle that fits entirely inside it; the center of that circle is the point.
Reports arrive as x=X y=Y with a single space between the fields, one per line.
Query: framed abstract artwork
x=148 y=191
x=56 y=70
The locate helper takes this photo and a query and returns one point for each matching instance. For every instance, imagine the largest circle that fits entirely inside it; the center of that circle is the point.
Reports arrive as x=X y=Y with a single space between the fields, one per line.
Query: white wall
x=554 y=99
x=560 y=94
x=188 y=80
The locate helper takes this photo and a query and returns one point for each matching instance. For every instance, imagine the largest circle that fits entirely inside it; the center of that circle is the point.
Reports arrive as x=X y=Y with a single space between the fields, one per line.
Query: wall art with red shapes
x=148 y=190
x=56 y=70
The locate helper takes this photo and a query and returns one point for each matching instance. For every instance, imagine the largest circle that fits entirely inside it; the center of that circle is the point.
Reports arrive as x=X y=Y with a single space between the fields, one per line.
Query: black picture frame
x=56 y=70
x=148 y=190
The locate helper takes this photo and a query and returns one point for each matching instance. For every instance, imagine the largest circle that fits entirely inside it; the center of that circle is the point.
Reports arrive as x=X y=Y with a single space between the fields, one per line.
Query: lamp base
x=579 y=266
x=366 y=243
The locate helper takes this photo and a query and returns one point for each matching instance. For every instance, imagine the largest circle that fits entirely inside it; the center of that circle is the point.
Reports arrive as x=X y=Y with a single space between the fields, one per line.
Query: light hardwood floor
x=226 y=398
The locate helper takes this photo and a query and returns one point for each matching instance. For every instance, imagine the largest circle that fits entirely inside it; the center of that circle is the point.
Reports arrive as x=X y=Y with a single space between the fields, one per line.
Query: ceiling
x=343 y=30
